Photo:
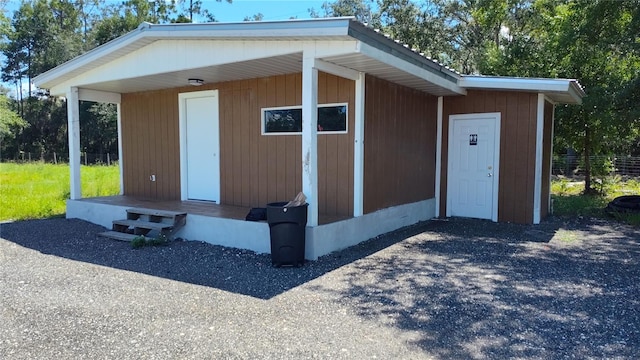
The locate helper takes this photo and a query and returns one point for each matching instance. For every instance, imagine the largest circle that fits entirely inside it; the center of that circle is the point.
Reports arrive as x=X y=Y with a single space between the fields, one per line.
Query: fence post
x=29 y=156
x=108 y=159
x=55 y=158
x=85 y=158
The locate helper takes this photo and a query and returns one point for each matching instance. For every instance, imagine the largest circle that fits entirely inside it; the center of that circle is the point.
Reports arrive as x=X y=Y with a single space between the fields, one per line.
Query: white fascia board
x=547 y=86
x=145 y=33
x=507 y=83
x=256 y=29
x=576 y=92
x=400 y=64
x=255 y=33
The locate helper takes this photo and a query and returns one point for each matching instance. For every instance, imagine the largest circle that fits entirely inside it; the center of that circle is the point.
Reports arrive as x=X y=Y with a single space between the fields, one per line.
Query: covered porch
x=225 y=225
x=154 y=75
x=193 y=207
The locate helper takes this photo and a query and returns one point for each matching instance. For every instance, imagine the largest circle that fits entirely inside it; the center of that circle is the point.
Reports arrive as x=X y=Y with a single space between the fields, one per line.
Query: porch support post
x=120 y=157
x=438 y=154
x=537 y=182
x=358 y=151
x=73 y=128
x=553 y=125
x=310 y=135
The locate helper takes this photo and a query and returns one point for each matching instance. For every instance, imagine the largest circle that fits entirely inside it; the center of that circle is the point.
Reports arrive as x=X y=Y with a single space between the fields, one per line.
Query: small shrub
x=138 y=242
x=569 y=202
x=142 y=241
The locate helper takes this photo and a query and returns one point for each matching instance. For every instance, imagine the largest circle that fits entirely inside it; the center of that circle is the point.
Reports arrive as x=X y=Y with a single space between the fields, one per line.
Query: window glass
x=332 y=118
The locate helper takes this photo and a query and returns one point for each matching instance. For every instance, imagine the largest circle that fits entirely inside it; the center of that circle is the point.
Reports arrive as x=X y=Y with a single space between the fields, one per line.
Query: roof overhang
x=340 y=41
x=566 y=91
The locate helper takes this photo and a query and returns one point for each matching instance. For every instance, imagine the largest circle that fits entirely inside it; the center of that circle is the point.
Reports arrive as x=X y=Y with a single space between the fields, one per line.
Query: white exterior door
x=474 y=153
x=199 y=146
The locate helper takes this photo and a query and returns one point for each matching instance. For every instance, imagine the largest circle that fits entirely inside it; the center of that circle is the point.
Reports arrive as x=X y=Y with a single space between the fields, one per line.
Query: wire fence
x=62 y=158
x=573 y=165
x=565 y=165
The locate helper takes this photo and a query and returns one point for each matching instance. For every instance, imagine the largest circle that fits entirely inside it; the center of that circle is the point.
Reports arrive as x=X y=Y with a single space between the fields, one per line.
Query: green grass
x=569 y=200
x=39 y=190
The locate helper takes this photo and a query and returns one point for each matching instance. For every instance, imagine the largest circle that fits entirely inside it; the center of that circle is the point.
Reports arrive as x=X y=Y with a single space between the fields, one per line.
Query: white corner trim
x=182 y=116
x=438 y=154
x=537 y=187
x=120 y=157
x=358 y=147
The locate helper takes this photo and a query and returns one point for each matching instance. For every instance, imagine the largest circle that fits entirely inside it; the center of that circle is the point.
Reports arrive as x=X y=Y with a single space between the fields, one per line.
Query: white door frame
x=496 y=158
x=182 y=113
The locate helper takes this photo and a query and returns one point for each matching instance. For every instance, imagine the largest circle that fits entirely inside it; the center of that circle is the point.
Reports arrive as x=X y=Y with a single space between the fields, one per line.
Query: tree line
x=594 y=41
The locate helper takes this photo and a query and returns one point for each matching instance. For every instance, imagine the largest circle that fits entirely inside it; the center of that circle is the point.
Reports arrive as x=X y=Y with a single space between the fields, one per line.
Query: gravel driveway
x=456 y=289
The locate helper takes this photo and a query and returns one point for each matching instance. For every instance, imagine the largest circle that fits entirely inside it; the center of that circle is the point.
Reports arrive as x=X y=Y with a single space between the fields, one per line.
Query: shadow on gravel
x=228 y=269
x=462 y=289
x=478 y=290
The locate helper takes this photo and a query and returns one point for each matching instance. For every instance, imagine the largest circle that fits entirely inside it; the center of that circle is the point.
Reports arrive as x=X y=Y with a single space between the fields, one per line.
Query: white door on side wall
x=472 y=176
x=199 y=146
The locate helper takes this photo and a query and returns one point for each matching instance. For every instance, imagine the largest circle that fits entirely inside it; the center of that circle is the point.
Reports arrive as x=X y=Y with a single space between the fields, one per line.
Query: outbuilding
x=217 y=118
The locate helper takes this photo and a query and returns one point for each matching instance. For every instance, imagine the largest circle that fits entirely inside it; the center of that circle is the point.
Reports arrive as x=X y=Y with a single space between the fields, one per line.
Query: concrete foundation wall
x=255 y=236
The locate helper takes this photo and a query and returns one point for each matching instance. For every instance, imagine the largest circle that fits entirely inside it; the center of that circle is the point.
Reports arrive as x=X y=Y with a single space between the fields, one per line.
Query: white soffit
x=375 y=54
x=566 y=91
x=145 y=34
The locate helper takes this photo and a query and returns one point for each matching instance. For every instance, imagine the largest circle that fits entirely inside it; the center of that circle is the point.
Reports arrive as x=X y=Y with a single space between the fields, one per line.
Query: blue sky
x=272 y=10
x=238 y=9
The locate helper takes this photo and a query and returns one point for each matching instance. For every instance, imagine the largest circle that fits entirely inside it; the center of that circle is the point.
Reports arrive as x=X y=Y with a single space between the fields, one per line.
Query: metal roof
x=568 y=91
x=373 y=53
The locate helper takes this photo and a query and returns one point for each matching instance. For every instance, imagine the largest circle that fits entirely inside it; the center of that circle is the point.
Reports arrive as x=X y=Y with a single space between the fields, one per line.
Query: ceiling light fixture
x=196 y=82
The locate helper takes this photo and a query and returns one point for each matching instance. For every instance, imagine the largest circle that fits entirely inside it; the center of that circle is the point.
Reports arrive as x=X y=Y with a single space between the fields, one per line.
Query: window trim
x=265 y=109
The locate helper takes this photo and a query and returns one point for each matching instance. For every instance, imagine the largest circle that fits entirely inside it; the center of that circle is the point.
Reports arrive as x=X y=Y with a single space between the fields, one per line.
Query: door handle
x=489 y=175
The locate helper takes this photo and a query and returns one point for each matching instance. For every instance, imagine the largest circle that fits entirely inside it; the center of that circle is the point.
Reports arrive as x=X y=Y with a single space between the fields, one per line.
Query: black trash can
x=287 y=228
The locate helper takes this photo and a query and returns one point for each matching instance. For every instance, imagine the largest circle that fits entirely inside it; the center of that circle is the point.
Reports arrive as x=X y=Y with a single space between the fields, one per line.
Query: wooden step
x=118 y=236
x=144 y=224
x=158 y=213
x=177 y=219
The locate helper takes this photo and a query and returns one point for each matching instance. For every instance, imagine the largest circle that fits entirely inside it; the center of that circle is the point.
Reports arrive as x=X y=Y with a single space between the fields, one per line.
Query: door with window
x=474 y=153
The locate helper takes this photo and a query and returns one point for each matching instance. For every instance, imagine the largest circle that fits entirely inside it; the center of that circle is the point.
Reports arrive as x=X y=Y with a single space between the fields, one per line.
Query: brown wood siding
x=517 y=147
x=546 y=159
x=150 y=145
x=400 y=144
x=254 y=169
